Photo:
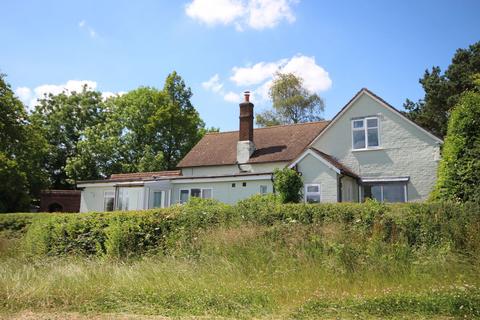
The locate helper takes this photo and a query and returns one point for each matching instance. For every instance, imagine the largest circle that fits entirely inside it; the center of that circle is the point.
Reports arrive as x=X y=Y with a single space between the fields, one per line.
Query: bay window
x=386 y=192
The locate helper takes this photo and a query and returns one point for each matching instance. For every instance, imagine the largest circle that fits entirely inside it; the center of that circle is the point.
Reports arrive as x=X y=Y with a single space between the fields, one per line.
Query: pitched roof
x=277 y=143
x=144 y=175
x=343 y=169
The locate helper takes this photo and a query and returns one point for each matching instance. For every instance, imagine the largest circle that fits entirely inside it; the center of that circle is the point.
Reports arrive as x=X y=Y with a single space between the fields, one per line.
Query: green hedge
x=163 y=231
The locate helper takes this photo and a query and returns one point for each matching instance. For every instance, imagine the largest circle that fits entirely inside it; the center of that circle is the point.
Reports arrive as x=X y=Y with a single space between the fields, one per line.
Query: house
x=369 y=149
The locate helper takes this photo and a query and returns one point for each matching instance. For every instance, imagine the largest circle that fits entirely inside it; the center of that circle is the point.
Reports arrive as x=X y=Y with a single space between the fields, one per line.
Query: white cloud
x=30 y=97
x=255 y=14
x=213 y=84
x=246 y=76
x=84 y=26
x=23 y=93
x=214 y=12
x=268 y=13
x=315 y=77
x=232 y=97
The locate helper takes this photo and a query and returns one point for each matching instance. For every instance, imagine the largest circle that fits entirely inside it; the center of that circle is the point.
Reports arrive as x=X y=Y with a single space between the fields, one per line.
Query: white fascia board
x=109 y=184
x=310 y=152
x=386 y=179
x=223 y=179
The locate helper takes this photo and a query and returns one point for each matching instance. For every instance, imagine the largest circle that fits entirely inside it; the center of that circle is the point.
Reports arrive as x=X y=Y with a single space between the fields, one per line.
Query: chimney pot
x=246 y=95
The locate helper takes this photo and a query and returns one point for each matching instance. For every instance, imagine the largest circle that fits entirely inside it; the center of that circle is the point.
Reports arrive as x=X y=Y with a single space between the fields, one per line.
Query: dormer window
x=365 y=133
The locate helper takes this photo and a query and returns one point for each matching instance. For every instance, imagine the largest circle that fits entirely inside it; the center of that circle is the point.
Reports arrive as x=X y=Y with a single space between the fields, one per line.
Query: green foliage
x=145 y=129
x=22 y=150
x=459 y=170
x=443 y=91
x=292 y=102
x=61 y=119
x=288 y=183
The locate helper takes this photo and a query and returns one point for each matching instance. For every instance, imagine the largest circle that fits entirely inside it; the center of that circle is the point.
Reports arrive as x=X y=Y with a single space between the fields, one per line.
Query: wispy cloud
x=254 y=14
x=86 y=27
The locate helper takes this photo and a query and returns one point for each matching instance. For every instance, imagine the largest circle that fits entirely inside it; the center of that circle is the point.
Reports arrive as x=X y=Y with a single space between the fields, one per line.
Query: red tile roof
x=277 y=143
x=343 y=169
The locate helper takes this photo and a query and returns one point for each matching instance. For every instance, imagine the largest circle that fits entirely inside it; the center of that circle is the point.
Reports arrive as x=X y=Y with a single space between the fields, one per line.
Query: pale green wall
x=405 y=149
x=223 y=191
x=315 y=171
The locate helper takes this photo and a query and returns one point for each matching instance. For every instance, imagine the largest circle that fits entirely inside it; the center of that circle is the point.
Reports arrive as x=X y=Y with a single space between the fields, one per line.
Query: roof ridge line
x=276 y=126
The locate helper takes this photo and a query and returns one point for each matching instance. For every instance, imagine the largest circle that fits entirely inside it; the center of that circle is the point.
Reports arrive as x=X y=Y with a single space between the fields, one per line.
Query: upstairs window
x=365 y=133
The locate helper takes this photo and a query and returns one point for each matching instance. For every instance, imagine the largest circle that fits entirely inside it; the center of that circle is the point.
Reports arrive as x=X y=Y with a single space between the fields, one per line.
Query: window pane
x=195 y=192
x=313 y=198
x=373 y=137
x=108 y=204
x=157 y=199
x=207 y=193
x=263 y=189
x=377 y=192
x=358 y=139
x=358 y=123
x=372 y=123
x=394 y=192
x=312 y=188
x=183 y=196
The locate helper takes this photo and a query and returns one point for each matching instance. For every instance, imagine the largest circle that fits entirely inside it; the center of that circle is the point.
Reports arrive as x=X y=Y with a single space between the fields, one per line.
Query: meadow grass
x=280 y=271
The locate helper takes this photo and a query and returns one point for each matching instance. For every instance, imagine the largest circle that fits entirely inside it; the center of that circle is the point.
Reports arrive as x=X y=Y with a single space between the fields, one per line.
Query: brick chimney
x=245 y=145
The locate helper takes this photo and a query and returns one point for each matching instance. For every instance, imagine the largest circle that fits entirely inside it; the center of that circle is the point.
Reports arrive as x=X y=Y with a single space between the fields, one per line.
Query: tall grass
x=363 y=263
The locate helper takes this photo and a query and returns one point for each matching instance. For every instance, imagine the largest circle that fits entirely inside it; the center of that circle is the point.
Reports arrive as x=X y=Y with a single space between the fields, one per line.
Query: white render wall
x=92 y=198
x=223 y=191
x=405 y=149
x=315 y=171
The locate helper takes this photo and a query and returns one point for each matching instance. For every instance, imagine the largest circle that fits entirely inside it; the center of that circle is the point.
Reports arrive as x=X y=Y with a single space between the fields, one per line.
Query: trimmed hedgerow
x=166 y=231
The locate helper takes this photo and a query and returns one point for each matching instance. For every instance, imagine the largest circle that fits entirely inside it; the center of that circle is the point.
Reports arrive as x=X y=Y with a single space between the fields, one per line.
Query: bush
x=459 y=170
x=288 y=184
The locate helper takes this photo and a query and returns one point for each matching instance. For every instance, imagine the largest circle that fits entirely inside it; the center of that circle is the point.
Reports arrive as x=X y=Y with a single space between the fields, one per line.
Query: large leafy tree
x=442 y=91
x=61 y=119
x=22 y=150
x=146 y=129
x=459 y=170
x=291 y=101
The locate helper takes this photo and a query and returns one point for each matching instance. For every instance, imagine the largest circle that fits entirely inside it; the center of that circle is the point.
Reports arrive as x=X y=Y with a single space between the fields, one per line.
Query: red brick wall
x=60 y=200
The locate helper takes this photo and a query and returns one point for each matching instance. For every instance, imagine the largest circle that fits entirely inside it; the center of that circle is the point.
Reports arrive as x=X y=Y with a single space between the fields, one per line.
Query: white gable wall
x=405 y=150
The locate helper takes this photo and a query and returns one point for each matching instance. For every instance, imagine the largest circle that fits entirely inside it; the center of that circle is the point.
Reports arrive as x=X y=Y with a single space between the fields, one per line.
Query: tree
x=291 y=101
x=22 y=150
x=442 y=91
x=288 y=183
x=459 y=170
x=144 y=130
x=61 y=119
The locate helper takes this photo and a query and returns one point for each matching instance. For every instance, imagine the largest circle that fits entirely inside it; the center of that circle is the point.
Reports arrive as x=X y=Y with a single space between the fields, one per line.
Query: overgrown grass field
x=259 y=259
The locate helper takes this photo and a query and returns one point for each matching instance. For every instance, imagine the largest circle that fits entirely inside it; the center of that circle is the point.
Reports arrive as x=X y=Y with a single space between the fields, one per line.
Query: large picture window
x=204 y=193
x=365 y=133
x=386 y=192
x=312 y=193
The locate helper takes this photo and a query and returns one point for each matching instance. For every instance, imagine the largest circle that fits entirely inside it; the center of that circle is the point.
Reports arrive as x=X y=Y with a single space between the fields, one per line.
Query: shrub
x=459 y=170
x=288 y=184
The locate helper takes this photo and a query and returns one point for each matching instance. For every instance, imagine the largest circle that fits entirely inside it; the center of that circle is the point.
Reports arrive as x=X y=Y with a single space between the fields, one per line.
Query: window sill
x=369 y=149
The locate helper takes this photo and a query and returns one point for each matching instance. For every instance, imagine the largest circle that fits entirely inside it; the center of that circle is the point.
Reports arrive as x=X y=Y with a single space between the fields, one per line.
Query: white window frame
x=105 y=198
x=405 y=191
x=162 y=198
x=190 y=193
x=310 y=193
x=365 y=131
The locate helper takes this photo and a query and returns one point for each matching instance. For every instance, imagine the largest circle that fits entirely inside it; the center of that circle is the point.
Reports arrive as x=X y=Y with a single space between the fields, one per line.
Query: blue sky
x=223 y=47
